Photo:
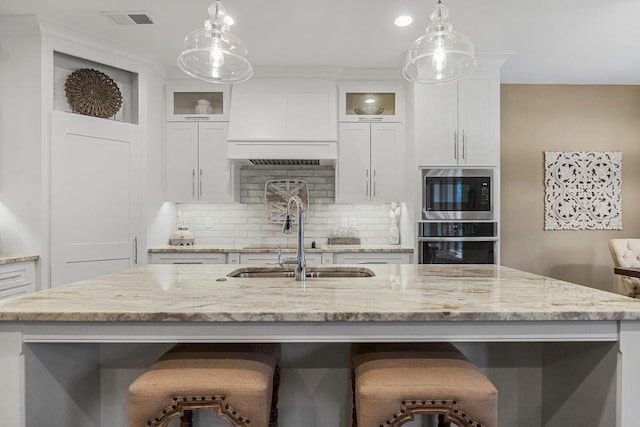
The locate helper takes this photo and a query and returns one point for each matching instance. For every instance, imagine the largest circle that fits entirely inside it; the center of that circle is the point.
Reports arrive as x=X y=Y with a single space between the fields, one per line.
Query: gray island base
x=561 y=355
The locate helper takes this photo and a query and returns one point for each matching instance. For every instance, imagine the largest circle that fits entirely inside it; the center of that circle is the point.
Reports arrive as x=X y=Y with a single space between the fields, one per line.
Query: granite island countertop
x=408 y=292
x=258 y=248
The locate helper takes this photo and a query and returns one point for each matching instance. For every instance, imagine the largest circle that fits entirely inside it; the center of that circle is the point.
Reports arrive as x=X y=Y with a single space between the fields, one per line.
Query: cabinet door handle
x=463 y=145
x=193 y=183
x=197 y=117
x=374 y=183
x=370 y=119
x=229 y=178
x=200 y=183
x=366 y=182
x=135 y=250
x=455 y=144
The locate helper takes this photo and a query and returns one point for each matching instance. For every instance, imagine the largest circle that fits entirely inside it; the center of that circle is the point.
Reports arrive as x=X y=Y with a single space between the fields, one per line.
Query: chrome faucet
x=287 y=228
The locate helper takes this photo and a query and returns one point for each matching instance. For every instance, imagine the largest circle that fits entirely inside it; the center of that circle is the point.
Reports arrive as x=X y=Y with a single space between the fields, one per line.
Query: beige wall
x=538 y=118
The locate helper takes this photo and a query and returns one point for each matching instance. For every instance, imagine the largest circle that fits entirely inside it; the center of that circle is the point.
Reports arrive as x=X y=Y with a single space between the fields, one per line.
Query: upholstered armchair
x=626 y=253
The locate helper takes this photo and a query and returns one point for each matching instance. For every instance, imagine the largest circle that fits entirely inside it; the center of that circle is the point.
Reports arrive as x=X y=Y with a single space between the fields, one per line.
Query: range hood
x=284 y=122
x=266 y=152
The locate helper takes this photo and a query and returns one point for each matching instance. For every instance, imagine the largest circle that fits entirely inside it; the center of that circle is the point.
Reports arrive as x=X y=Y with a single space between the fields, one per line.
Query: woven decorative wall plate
x=93 y=93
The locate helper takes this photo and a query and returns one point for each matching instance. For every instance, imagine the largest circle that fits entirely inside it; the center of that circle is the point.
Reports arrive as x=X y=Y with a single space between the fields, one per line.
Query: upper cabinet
x=197 y=102
x=284 y=110
x=371 y=163
x=197 y=169
x=373 y=102
x=458 y=123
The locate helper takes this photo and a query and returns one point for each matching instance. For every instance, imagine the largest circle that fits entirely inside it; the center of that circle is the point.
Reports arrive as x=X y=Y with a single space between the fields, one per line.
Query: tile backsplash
x=246 y=222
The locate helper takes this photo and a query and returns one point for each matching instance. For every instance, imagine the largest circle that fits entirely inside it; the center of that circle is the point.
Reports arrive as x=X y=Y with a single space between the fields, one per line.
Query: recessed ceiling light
x=403 y=21
x=229 y=20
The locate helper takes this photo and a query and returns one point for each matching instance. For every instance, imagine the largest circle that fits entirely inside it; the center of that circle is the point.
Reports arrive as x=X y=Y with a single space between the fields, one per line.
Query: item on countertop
x=203 y=106
x=344 y=241
x=182 y=236
x=344 y=236
x=394 y=226
x=92 y=93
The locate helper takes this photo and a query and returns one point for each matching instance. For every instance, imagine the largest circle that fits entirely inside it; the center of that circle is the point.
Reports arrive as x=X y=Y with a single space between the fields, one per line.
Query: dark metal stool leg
x=273 y=417
x=186 y=420
x=443 y=421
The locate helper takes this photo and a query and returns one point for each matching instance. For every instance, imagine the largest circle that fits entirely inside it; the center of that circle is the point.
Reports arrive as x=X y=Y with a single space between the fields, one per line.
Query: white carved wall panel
x=582 y=190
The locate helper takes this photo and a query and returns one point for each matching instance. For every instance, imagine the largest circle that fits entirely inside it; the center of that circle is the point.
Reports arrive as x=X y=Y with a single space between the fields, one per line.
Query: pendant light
x=213 y=53
x=442 y=55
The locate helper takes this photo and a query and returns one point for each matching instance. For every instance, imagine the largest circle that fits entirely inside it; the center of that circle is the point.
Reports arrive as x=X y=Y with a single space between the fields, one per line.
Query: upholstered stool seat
x=395 y=382
x=626 y=253
x=237 y=381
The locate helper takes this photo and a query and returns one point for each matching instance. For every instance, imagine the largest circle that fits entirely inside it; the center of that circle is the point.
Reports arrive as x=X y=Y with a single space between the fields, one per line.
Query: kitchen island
x=560 y=354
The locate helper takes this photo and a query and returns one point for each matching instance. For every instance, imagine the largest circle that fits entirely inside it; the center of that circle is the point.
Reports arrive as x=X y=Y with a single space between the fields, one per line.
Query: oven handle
x=457 y=239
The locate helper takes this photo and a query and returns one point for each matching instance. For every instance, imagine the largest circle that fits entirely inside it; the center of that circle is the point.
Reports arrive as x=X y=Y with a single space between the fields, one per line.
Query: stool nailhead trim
x=182 y=406
x=446 y=408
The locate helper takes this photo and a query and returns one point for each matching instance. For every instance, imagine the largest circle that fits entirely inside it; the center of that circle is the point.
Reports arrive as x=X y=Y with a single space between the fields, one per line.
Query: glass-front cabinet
x=372 y=103
x=196 y=101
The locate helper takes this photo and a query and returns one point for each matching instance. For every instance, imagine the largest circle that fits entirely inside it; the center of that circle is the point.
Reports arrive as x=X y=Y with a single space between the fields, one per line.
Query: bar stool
x=395 y=382
x=238 y=382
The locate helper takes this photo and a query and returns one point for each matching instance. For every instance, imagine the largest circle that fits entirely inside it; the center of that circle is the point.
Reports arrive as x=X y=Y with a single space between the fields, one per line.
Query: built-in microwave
x=457 y=194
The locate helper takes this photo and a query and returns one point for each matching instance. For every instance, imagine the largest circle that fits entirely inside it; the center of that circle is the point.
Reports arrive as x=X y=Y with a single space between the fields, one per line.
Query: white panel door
x=215 y=171
x=477 y=121
x=95 y=196
x=353 y=175
x=440 y=118
x=181 y=162
x=387 y=162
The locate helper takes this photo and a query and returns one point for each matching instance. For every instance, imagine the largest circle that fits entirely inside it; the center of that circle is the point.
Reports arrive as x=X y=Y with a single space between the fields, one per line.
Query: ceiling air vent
x=138 y=17
x=285 y=162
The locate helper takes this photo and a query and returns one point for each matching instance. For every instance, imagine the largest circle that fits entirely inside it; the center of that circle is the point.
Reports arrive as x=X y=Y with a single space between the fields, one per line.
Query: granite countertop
x=407 y=292
x=201 y=249
x=7 y=259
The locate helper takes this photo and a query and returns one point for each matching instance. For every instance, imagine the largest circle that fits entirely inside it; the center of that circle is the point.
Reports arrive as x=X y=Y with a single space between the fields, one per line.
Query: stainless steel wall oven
x=457 y=242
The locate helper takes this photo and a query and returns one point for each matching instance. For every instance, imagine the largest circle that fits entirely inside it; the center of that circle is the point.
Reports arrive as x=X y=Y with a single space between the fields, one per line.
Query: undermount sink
x=318 y=272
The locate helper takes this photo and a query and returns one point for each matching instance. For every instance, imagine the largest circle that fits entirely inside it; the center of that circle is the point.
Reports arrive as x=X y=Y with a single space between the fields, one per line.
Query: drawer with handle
x=16 y=278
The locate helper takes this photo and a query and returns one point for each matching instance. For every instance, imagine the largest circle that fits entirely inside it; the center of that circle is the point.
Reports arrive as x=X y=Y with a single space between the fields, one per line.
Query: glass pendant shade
x=214 y=54
x=441 y=55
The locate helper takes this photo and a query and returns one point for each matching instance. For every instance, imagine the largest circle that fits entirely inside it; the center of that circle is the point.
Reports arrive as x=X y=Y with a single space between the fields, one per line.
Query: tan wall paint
x=538 y=118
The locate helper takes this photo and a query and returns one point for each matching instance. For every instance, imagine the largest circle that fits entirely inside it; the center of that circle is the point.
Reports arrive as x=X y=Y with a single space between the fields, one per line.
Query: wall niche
x=127 y=81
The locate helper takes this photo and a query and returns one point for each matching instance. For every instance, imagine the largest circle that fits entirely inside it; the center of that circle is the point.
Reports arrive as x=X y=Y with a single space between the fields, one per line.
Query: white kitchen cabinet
x=187 y=258
x=458 y=123
x=370 y=163
x=17 y=279
x=197 y=101
x=373 y=258
x=284 y=110
x=197 y=168
x=371 y=102
x=314 y=258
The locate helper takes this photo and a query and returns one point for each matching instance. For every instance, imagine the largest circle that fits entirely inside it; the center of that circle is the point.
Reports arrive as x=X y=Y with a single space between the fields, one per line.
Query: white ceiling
x=550 y=41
